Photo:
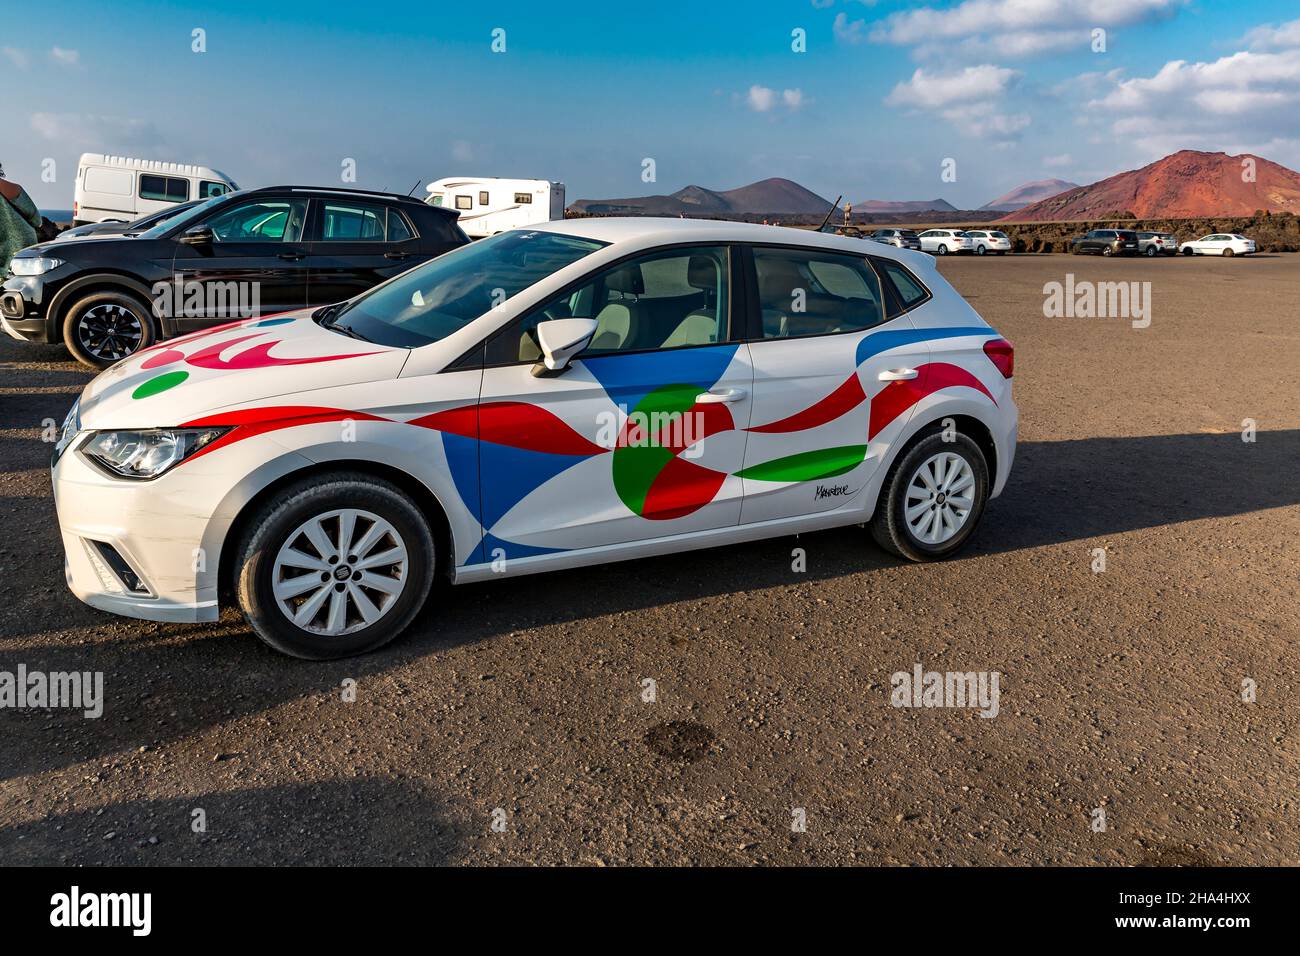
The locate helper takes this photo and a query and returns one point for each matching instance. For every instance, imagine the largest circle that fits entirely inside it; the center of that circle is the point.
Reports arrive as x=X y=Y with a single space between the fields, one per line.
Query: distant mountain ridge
x=1027 y=193
x=905 y=205
x=774 y=196
x=1183 y=185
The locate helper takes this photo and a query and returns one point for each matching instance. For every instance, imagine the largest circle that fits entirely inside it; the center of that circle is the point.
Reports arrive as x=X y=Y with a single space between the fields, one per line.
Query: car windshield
x=182 y=219
x=431 y=302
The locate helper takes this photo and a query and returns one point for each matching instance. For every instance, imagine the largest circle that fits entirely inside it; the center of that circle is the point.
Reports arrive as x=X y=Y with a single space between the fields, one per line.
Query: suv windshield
x=182 y=219
x=429 y=303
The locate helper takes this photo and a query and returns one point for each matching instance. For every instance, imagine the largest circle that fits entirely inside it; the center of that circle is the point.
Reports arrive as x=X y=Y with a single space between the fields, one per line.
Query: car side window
x=164 y=188
x=398 y=230
x=908 y=287
x=269 y=220
x=352 y=222
x=811 y=292
x=672 y=299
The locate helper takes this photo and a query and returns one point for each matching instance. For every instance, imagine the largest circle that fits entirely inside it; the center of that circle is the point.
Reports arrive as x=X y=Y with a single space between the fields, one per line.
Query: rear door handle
x=898 y=374
x=714 y=396
x=292 y=256
x=399 y=256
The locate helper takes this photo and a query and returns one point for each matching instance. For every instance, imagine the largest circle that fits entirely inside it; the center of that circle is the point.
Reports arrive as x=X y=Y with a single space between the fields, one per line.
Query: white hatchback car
x=985 y=241
x=944 y=241
x=572 y=394
x=1218 y=244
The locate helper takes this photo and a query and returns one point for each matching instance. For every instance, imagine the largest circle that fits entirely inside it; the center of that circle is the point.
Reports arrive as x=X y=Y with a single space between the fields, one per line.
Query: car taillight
x=1002 y=354
x=76 y=208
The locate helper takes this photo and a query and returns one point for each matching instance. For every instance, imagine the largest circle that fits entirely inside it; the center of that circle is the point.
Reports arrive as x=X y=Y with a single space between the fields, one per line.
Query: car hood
x=244 y=362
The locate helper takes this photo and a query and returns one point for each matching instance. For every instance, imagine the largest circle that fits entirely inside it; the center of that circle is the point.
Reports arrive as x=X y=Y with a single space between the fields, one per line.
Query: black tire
x=1228 y=253
x=272 y=527
x=979 y=250
x=1189 y=252
x=942 y=250
x=888 y=525
x=130 y=325
x=1152 y=252
x=1107 y=251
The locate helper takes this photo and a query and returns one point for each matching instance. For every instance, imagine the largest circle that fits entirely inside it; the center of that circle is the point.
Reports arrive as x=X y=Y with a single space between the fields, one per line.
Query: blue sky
x=712 y=92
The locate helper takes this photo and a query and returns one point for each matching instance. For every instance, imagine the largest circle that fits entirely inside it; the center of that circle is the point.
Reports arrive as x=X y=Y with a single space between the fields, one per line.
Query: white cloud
x=762 y=99
x=1270 y=37
x=65 y=57
x=930 y=90
x=17 y=57
x=1238 y=103
x=109 y=134
x=1013 y=28
x=462 y=151
x=1058 y=161
x=849 y=31
x=969 y=99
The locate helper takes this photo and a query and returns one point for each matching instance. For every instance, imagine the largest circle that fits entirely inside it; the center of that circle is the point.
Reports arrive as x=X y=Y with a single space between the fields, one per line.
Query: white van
x=489 y=205
x=121 y=189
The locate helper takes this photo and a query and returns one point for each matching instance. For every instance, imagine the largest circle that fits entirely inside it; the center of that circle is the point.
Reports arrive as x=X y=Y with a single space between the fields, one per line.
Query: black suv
x=1107 y=242
x=247 y=253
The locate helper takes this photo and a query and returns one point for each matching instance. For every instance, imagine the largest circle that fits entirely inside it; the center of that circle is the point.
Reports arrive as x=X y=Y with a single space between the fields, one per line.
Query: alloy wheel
x=939 y=498
x=109 y=331
x=339 y=572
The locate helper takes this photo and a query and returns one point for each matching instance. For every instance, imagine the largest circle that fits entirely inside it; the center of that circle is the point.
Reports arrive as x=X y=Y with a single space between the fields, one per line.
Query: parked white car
x=488 y=205
x=622 y=400
x=122 y=189
x=1218 y=244
x=941 y=242
x=985 y=241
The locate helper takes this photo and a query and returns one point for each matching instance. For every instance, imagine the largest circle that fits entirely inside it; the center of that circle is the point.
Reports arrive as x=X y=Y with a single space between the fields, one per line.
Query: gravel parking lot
x=520 y=703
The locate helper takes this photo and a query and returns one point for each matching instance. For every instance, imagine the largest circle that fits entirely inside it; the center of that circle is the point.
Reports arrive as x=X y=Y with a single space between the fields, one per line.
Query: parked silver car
x=901 y=238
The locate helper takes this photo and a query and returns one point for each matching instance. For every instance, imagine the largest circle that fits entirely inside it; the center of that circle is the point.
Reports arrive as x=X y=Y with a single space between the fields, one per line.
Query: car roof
x=652 y=230
x=344 y=191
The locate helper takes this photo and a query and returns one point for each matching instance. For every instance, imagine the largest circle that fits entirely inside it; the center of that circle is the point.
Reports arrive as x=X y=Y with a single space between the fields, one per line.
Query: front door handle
x=714 y=396
x=397 y=255
x=898 y=374
x=292 y=256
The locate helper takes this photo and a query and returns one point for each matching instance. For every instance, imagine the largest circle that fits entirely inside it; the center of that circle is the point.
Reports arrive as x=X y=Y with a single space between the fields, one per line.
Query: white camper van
x=121 y=189
x=488 y=206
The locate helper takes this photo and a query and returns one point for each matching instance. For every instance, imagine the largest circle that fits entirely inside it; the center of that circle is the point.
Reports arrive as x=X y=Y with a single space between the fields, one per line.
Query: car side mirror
x=198 y=236
x=560 y=341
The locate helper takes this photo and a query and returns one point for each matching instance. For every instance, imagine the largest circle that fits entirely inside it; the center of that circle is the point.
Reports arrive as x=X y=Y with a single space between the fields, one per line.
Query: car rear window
x=908 y=287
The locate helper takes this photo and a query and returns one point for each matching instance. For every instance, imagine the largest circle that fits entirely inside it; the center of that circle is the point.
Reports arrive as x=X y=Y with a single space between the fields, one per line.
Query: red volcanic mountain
x=1185 y=185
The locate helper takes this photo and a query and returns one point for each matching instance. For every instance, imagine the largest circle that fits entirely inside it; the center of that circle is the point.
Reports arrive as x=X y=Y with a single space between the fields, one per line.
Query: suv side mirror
x=560 y=341
x=198 y=236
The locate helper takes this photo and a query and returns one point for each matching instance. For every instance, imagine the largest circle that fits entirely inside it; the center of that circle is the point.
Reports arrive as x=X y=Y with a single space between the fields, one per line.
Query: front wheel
x=932 y=498
x=106 y=327
x=334 y=566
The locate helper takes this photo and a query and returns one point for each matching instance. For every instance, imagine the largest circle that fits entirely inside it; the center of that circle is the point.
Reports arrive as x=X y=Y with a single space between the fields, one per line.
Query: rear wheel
x=1152 y=252
x=979 y=250
x=335 y=566
x=106 y=327
x=1229 y=253
x=1189 y=252
x=1107 y=251
x=942 y=249
x=932 y=498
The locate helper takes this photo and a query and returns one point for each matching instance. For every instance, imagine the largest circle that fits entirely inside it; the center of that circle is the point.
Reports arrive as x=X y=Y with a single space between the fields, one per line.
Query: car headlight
x=147 y=453
x=33 y=265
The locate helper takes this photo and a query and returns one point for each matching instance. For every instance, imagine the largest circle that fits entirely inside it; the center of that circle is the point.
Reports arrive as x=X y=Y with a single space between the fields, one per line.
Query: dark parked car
x=252 y=252
x=105 y=229
x=900 y=238
x=1107 y=242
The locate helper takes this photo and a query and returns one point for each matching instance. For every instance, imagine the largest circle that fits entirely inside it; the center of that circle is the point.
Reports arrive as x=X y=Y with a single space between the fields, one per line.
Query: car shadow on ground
x=164 y=682
x=366 y=821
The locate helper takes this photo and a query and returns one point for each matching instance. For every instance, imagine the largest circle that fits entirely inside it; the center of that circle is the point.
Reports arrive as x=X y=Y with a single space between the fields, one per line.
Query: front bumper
x=22 y=310
x=156 y=529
